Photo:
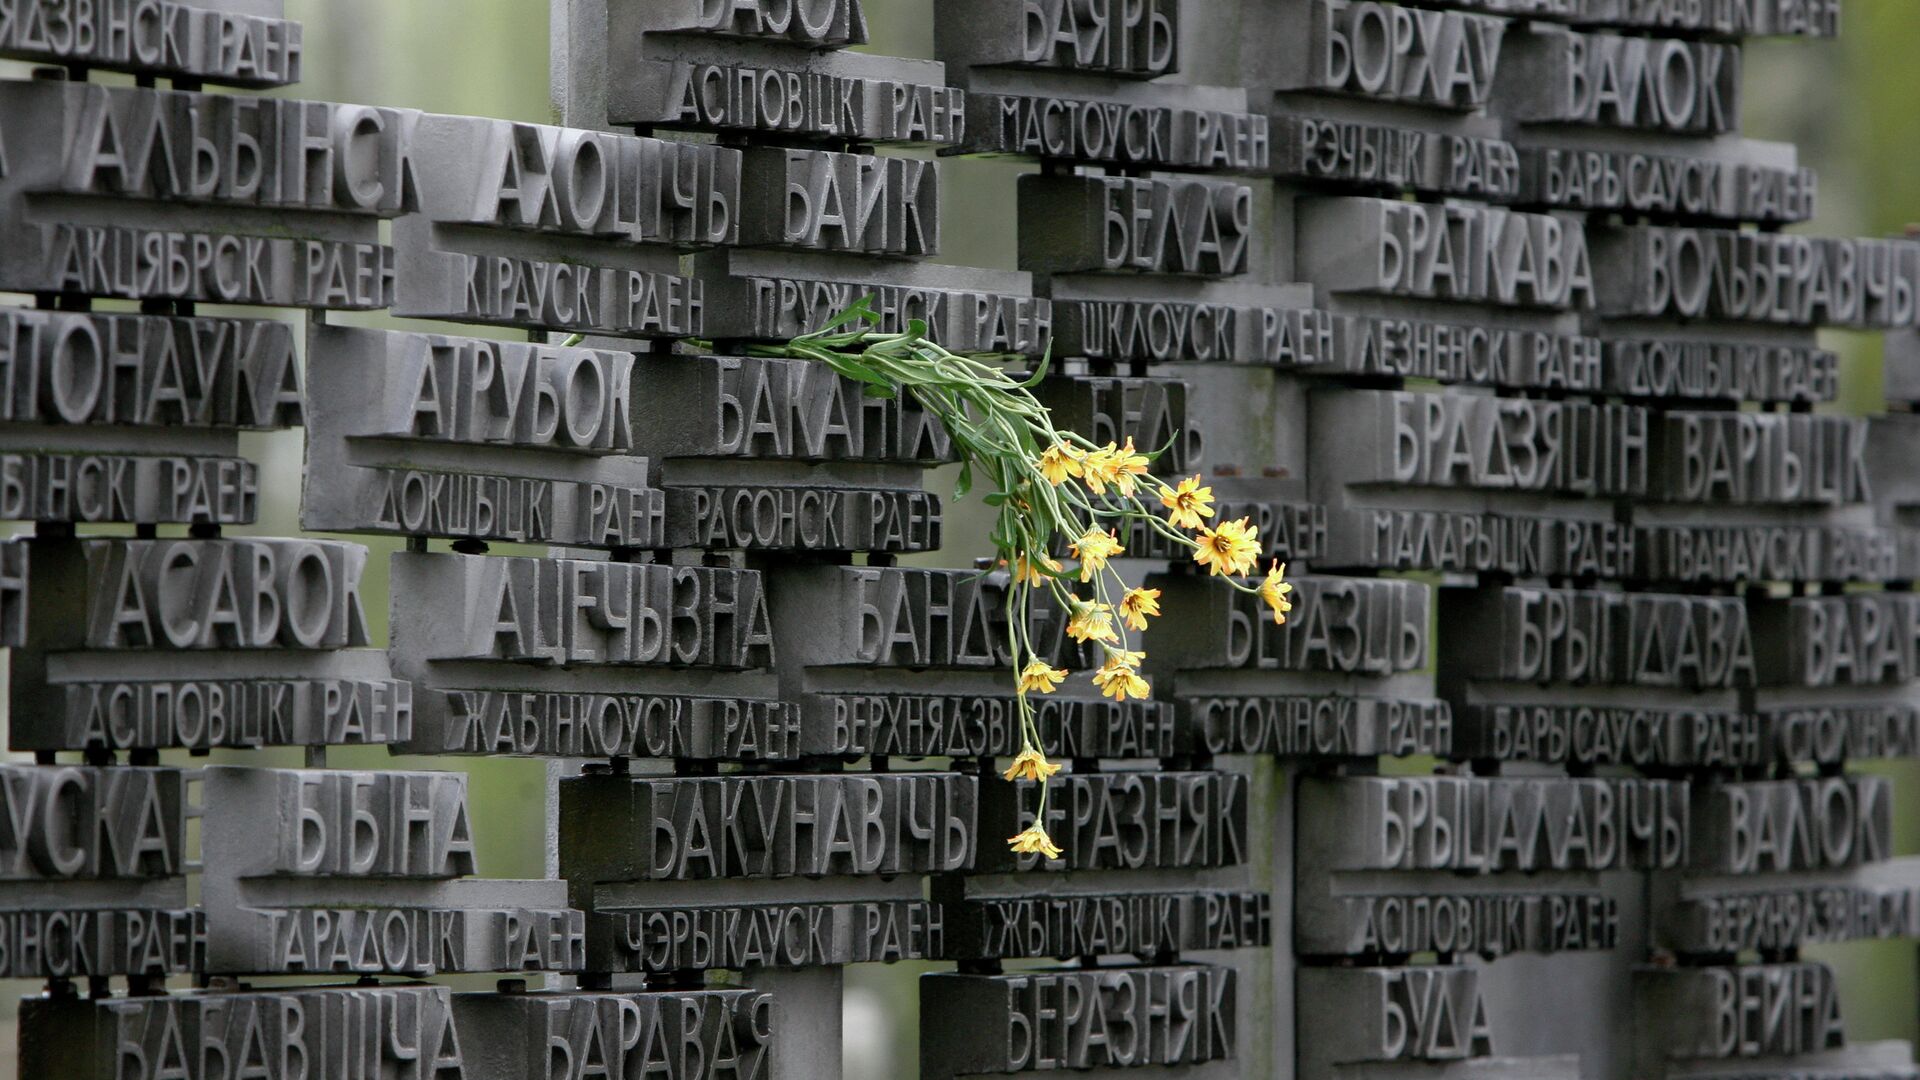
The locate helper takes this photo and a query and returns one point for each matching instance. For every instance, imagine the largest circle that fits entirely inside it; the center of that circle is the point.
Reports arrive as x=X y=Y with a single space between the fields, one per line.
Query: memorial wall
x=1483 y=312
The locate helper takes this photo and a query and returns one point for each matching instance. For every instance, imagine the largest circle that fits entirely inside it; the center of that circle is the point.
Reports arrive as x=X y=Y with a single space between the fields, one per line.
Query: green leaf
x=1046 y=361
x=965 y=483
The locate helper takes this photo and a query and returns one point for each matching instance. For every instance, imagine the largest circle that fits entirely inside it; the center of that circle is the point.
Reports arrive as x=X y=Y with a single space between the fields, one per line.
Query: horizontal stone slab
x=1144 y=925
x=1371 y=626
x=181 y=40
x=1553 y=75
x=574 y=723
x=1165 y=134
x=365 y=937
x=1115 y=224
x=524 y=611
x=1126 y=41
x=1860 y=639
x=778 y=517
x=1722 y=915
x=1728 y=1013
x=95 y=942
x=617 y=828
x=820 y=24
x=775 y=297
x=1480 y=541
x=1316 y=725
x=1721 y=370
x=780 y=409
x=860 y=204
x=908 y=617
x=1120 y=821
x=334 y=824
x=1828 y=823
x=1016 y=1023
x=1664 y=272
x=1665 y=185
x=1590 y=637
x=80 y=488
x=1412 y=1014
x=1382 y=52
x=1705 y=551
x=335 y=1031
x=1481 y=825
x=1641 y=734
x=971 y=724
x=1336 y=150
x=100 y=372
x=1470 y=254
x=560 y=1036
x=1481 y=442
x=1760 y=459
x=788 y=935
x=74 y=823
x=1397 y=915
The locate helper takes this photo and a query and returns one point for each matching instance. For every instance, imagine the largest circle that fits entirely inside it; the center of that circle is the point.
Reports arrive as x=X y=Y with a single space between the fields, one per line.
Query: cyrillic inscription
x=288 y=1034
x=1778 y=826
x=1762 y=458
x=1330 y=725
x=69 y=943
x=1475 y=254
x=1143 y=925
x=816 y=200
x=1493 y=825
x=1119 y=133
x=771 y=308
x=564 y=611
x=745 y=97
x=221 y=594
x=1347 y=625
x=1411 y=1014
x=698 y=829
x=630 y=1036
x=155 y=37
x=1862 y=639
x=1523 y=545
x=375 y=940
x=351 y=824
x=555 y=723
x=1599 y=638
x=1122 y=821
x=1641 y=736
x=1667 y=272
x=780 y=408
x=1105 y=1018
x=131 y=263
x=802 y=519
x=1494 y=443
x=98 y=369
x=124 y=488
x=1490 y=925
x=1756 y=1010
x=1721 y=370
x=764 y=935
x=1730 y=553
x=1381 y=156
x=215 y=713
x=1126 y=39
x=72 y=823
x=819 y=23
x=1122 y=224
x=1665 y=185
x=1724 y=920
x=1151 y=412
x=1387 y=52
x=982 y=725
x=1655 y=83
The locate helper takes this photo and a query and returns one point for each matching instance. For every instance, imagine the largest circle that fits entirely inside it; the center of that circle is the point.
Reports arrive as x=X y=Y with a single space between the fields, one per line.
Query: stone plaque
x=1098 y=1018
x=625 y=1036
x=561 y=229
x=425 y=435
x=201 y=40
x=105 y=195
x=334 y=873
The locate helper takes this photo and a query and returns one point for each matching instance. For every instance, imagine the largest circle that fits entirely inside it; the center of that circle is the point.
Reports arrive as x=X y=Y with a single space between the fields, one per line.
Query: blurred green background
x=1850 y=105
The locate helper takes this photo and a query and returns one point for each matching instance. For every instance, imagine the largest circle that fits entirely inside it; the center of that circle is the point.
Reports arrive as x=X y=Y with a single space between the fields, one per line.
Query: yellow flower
x=1092 y=622
x=1025 y=570
x=1122 y=660
x=1274 y=591
x=1059 y=462
x=1191 y=504
x=1093 y=550
x=1100 y=468
x=1038 y=676
x=1137 y=605
x=1128 y=467
x=1120 y=683
x=1233 y=548
x=1034 y=841
x=1031 y=765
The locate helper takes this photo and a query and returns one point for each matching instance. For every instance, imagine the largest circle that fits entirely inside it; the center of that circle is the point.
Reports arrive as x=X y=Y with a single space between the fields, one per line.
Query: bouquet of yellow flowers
x=1047 y=485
